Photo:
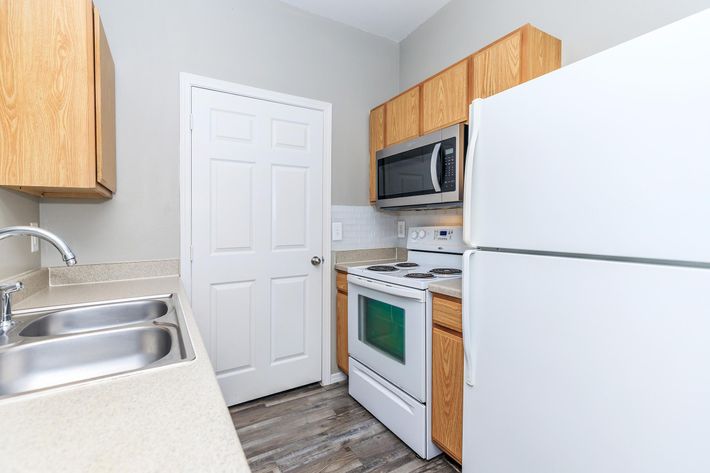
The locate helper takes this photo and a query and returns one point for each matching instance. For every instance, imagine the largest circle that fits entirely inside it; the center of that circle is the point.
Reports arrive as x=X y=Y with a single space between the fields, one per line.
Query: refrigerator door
x=607 y=156
x=586 y=366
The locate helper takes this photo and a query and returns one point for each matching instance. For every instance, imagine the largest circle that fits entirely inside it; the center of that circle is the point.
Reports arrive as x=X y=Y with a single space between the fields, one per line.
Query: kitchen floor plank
x=317 y=429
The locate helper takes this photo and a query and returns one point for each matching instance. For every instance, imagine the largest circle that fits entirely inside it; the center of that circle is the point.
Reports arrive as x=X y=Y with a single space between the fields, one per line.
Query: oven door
x=387 y=332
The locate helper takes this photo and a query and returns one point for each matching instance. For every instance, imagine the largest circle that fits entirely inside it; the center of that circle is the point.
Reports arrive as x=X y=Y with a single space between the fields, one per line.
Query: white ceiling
x=393 y=19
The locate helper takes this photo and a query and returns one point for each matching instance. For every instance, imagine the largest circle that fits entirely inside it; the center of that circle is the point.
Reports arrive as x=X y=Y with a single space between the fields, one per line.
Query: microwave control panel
x=449 y=178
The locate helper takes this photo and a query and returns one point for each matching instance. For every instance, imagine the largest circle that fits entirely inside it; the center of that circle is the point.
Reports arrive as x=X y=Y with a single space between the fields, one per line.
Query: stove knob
x=413 y=235
x=422 y=233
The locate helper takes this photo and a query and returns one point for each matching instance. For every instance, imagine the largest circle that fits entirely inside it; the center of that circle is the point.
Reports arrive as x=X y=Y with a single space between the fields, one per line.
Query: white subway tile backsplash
x=365 y=227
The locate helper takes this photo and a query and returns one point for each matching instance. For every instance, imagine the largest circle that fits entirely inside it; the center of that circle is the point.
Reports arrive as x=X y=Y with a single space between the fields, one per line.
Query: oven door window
x=381 y=326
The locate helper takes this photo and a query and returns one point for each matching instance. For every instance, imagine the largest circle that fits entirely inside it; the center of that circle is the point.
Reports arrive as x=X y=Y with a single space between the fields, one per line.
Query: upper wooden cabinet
x=522 y=55
x=57 y=135
x=377 y=142
x=445 y=98
x=402 y=117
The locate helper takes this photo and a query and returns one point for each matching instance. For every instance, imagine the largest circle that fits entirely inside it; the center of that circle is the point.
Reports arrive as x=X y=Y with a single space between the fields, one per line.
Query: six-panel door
x=256 y=224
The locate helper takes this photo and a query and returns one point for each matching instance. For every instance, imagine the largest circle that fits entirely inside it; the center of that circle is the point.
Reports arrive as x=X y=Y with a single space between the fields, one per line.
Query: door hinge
x=191 y=122
x=191 y=254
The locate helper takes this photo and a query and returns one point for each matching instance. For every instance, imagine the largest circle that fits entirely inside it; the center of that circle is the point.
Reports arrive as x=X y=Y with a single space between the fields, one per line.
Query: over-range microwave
x=423 y=172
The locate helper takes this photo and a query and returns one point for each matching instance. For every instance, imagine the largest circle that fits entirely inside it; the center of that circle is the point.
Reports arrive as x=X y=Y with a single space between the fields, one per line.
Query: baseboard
x=335 y=378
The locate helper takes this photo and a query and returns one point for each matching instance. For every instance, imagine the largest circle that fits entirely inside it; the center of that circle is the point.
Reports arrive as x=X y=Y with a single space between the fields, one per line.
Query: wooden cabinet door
x=445 y=98
x=377 y=142
x=105 y=108
x=447 y=391
x=341 y=329
x=402 y=117
x=48 y=138
x=498 y=67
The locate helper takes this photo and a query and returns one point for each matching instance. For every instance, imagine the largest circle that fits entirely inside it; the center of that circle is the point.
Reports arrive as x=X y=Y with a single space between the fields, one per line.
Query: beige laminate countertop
x=449 y=287
x=171 y=418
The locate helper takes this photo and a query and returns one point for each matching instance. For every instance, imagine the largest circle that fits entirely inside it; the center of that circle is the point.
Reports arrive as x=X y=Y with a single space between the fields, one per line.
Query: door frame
x=187 y=82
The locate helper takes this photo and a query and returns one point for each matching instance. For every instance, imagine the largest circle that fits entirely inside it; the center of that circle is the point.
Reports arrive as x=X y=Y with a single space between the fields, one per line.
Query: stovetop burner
x=382 y=268
x=445 y=271
x=419 y=275
x=406 y=265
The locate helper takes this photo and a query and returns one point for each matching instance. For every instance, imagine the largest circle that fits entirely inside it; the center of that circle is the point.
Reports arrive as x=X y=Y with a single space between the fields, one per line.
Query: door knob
x=315 y=261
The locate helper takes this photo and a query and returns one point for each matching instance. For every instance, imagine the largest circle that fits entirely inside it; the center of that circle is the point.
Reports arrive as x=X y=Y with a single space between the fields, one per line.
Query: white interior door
x=256 y=223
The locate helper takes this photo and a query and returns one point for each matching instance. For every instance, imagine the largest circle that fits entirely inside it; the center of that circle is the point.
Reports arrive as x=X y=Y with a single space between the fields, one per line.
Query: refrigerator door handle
x=469 y=350
x=475 y=121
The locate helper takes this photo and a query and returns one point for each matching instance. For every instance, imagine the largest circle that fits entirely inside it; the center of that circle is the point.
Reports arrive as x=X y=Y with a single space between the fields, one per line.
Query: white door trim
x=187 y=81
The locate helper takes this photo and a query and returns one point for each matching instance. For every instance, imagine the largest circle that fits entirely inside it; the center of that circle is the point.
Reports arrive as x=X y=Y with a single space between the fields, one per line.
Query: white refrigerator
x=586 y=295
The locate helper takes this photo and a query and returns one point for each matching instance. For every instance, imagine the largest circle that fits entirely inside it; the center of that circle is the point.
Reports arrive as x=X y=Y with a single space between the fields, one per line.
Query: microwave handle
x=434 y=167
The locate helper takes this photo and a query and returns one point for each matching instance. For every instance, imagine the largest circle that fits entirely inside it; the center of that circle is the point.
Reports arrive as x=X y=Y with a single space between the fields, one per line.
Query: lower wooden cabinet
x=447 y=380
x=341 y=322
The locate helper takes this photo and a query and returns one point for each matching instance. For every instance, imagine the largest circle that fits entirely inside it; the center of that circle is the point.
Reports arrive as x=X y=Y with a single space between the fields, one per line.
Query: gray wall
x=585 y=27
x=261 y=43
x=15 y=255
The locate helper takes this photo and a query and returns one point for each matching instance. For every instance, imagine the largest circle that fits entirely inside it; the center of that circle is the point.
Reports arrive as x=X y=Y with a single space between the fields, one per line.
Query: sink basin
x=64 y=360
x=58 y=346
x=95 y=317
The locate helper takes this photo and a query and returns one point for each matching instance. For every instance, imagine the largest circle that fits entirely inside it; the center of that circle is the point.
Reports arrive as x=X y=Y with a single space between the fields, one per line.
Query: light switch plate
x=401 y=229
x=337 y=231
x=34 y=241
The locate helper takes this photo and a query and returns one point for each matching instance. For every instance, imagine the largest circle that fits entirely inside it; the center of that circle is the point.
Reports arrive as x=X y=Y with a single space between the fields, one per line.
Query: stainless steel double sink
x=71 y=344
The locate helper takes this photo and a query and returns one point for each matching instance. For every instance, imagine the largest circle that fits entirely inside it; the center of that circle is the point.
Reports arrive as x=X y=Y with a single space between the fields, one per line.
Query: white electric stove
x=389 y=333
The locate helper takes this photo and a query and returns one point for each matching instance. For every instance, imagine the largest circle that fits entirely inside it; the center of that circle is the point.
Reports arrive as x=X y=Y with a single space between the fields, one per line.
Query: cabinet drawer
x=398 y=411
x=341 y=281
x=447 y=312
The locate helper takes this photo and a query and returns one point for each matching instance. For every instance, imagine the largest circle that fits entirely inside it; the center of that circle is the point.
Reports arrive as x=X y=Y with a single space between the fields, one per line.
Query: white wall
x=15 y=256
x=585 y=27
x=262 y=43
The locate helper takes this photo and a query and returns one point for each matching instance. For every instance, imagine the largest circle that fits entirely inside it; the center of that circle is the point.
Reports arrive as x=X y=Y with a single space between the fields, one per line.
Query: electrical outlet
x=34 y=241
x=337 y=231
x=401 y=229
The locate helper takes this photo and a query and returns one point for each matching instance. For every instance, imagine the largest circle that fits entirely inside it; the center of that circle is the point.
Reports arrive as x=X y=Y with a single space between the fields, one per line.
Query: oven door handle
x=433 y=167
x=390 y=289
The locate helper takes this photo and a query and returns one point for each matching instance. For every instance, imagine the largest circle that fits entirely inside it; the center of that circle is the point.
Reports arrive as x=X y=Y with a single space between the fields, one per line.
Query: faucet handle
x=10 y=288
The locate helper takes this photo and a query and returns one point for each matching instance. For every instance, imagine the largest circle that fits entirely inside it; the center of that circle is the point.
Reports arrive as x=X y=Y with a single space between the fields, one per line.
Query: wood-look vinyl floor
x=322 y=429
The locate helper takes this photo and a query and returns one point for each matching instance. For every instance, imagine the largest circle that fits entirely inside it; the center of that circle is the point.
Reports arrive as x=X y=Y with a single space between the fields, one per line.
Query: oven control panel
x=441 y=239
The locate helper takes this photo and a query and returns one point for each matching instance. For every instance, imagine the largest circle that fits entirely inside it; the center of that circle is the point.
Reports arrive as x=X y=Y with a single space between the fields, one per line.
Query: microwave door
x=410 y=177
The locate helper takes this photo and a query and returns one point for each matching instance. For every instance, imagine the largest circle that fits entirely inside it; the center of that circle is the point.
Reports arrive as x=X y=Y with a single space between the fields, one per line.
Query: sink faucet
x=8 y=289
